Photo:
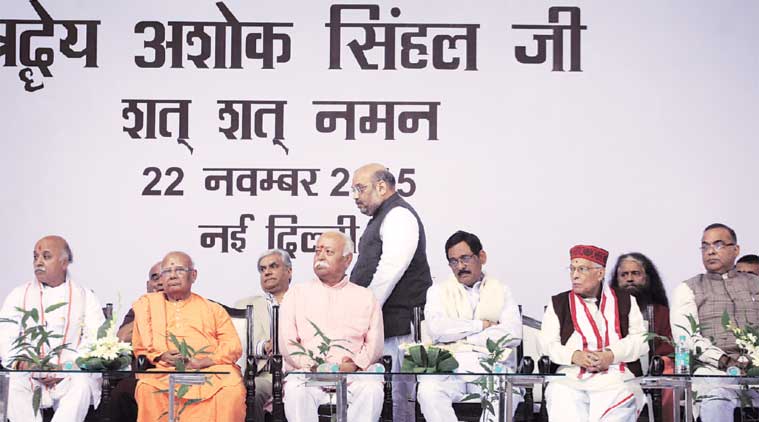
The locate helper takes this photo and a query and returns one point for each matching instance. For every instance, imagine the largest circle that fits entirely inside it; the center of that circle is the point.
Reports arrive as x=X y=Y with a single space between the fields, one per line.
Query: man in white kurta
x=77 y=322
x=341 y=310
x=595 y=334
x=462 y=313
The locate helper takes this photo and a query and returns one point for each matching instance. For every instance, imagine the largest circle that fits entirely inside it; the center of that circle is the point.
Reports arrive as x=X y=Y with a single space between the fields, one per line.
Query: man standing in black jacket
x=392 y=262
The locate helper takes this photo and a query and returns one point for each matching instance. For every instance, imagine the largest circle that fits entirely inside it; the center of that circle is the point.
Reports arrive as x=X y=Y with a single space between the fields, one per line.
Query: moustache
x=462 y=272
x=39 y=270
x=321 y=264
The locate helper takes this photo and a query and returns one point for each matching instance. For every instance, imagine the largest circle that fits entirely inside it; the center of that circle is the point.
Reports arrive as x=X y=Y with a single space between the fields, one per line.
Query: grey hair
x=347 y=242
x=282 y=254
x=385 y=176
x=67 y=252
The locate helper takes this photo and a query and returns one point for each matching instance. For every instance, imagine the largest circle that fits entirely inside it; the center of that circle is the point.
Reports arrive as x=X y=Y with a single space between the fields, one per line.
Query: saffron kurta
x=200 y=323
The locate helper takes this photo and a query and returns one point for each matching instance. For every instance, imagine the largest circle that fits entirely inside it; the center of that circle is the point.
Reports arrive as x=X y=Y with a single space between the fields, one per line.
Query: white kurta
x=436 y=393
x=602 y=396
x=77 y=322
x=723 y=400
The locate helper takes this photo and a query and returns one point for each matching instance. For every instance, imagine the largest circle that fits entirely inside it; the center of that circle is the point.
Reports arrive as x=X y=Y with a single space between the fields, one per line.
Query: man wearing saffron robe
x=77 y=322
x=595 y=334
x=341 y=310
x=199 y=322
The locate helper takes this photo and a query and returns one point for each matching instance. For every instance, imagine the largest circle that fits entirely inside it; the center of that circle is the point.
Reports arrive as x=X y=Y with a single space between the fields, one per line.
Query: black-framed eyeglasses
x=155 y=276
x=718 y=245
x=463 y=259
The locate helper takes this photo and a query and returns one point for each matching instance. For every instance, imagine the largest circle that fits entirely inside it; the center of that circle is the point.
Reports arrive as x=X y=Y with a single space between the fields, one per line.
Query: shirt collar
x=344 y=282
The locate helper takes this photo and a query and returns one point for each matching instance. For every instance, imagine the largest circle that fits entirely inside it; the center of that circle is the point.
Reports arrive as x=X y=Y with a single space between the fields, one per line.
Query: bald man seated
x=199 y=322
x=76 y=322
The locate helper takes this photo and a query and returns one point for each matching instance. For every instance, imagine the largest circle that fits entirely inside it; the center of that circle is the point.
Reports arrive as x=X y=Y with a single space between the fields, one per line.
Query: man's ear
x=483 y=257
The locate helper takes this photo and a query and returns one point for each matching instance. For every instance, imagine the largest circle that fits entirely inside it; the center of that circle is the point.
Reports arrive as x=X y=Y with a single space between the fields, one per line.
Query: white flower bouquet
x=107 y=352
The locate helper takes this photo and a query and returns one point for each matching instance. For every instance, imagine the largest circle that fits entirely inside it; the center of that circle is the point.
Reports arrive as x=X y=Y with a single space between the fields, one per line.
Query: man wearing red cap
x=595 y=334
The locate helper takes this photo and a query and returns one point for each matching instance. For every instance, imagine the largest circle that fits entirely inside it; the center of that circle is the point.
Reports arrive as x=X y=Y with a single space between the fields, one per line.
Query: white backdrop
x=652 y=141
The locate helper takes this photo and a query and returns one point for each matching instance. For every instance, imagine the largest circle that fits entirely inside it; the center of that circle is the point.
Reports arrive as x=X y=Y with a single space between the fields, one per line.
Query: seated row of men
x=594 y=332
x=392 y=263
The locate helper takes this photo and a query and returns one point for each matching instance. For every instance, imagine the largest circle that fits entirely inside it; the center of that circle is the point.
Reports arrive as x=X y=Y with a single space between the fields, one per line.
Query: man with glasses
x=331 y=306
x=595 y=334
x=276 y=271
x=392 y=262
x=464 y=312
x=203 y=325
x=705 y=298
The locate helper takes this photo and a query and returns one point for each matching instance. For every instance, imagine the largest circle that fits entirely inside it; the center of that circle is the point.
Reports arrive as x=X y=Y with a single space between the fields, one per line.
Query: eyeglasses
x=359 y=189
x=464 y=259
x=180 y=271
x=582 y=270
x=718 y=245
x=155 y=276
x=327 y=251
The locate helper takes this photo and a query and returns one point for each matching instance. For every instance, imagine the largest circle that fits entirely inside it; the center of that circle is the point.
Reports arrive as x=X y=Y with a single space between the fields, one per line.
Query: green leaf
x=416 y=354
x=174 y=341
x=36 y=399
x=419 y=370
x=432 y=356
x=490 y=345
x=182 y=390
x=725 y=319
x=472 y=396
x=448 y=365
x=35 y=314
x=103 y=329
x=180 y=365
x=51 y=308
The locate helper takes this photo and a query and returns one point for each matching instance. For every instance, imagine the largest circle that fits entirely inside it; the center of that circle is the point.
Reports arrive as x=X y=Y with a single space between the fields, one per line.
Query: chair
x=472 y=411
x=242 y=319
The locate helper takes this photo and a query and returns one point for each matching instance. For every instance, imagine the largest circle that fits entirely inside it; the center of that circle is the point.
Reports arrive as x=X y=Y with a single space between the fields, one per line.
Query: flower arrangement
x=747 y=339
x=428 y=359
x=31 y=344
x=107 y=352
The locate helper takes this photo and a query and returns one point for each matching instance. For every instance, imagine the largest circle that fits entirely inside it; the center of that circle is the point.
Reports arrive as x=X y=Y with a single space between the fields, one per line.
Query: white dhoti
x=403 y=387
x=437 y=393
x=365 y=394
x=720 y=401
x=70 y=398
x=617 y=402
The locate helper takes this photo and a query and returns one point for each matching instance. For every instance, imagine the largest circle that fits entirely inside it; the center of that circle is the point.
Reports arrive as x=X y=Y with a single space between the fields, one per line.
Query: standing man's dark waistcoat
x=411 y=289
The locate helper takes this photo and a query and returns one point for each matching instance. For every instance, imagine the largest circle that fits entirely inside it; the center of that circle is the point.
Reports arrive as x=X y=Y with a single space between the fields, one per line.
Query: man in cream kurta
x=199 y=322
x=595 y=334
x=463 y=313
x=341 y=310
x=77 y=321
